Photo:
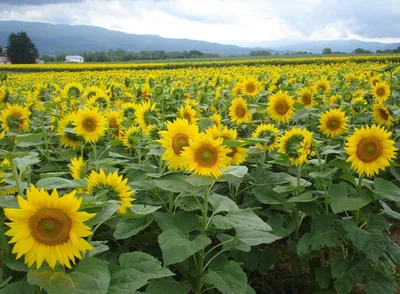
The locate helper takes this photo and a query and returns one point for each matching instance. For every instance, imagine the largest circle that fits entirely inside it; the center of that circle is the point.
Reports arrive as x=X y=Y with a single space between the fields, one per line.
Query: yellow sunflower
x=146 y=115
x=370 y=150
x=174 y=139
x=296 y=144
x=72 y=90
x=322 y=86
x=112 y=187
x=48 y=228
x=131 y=136
x=115 y=119
x=382 y=115
x=381 y=91
x=68 y=137
x=238 y=89
x=269 y=133
x=100 y=100
x=6 y=187
x=251 y=87
x=306 y=97
x=206 y=156
x=188 y=113
x=15 y=117
x=280 y=107
x=237 y=155
x=222 y=132
x=333 y=123
x=129 y=109
x=90 y=124
x=146 y=91
x=91 y=91
x=78 y=168
x=238 y=111
x=216 y=119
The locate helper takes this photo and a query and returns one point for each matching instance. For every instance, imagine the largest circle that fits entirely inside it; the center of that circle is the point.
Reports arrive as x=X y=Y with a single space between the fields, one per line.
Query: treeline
x=389 y=50
x=266 y=53
x=122 y=55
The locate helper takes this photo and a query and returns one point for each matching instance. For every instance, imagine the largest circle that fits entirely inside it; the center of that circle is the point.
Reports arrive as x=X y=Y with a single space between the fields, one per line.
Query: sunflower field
x=233 y=178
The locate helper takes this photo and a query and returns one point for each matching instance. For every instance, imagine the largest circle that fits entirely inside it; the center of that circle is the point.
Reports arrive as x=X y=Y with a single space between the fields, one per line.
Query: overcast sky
x=231 y=22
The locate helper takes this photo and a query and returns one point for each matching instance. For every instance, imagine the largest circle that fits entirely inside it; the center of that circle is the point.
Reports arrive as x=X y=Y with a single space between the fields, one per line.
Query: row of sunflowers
x=234 y=179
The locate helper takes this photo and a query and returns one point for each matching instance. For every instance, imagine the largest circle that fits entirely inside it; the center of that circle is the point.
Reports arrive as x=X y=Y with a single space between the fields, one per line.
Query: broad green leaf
x=305 y=197
x=268 y=258
x=323 y=277
x=386 y=189
x=103 y=213
x=182 y=220
x=20 y=287
x=322 y=232
x=303 y=245
x=380 y=284
x=347 y=275
x=91 y=276
x=176 y=245
x=55 y=183
x=8 y=202
x=232 y=243
x=141 y=210
x=234 y=173
x=265 y=194
x=343 y=197
x=221 y=203
x=240 y=218
x=197 y=181
x=388 y=211
x=128 y=227
x=173 y=182
x=255 y=237
x=23 y=162
x=168 y=285
x=135 y=271
x=230 y=279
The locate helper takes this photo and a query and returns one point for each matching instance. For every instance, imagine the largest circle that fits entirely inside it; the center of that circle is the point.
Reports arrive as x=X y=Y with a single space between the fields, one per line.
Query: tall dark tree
x=1 y=51
x=21 y=49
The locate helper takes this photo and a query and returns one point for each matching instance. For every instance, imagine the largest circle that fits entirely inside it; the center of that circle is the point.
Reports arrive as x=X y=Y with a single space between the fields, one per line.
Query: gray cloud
x=37 y=2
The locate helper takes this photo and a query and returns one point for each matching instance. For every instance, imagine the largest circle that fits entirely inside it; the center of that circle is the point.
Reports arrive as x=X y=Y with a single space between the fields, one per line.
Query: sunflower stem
x=46 y=143
x=359 y=185
x=323 y=183
x=17 y=178
x=171 y=203
x=94 y=152
x=200 y=265
x=296 y=260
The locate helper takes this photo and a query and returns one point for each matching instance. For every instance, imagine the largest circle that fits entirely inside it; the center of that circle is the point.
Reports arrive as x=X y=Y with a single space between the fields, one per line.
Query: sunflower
x=239 y=112
x=15 y=117
x=48 y=228
x=91 y=91
x=237 y=155
x=112 y=187
x=129 y=109
x=101 y=100
x=333 y=123
x=146 y=115
x=296 y=144
x=370 y=150
x=382 y=115
x=305 y=97
x=90 y=124
x=381 y=91
x=68 y=137
x=280 y=107
x=72 y=90
x=78 y=168
x=238 y=89
x=3 y=95
x=269 y=133
x=374 y=80
x=206 y=156
x=251 y=87
x=146 y=91
x=131 y=136
x=322 y=85
x=6 y=187
x=115 y=119
x=222 y=132
x=188 y=113
x=216 y=119
x=175 y=139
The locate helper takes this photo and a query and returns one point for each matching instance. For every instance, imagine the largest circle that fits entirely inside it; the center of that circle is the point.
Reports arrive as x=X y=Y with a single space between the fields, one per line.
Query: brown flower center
x=206 y=156
x=380 y=91
x=233 y=152
x=281 y=107
x=89 y=124
x=383 y=114
x=178 y=142
x=369 y=150
x=50 y=226
x=306 y=98
x=187 y=116
x=333 y=124
x=240 y=111
x=250 y=87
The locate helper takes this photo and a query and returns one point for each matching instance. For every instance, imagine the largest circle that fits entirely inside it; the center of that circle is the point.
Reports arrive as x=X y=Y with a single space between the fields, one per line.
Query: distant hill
x=54 y=39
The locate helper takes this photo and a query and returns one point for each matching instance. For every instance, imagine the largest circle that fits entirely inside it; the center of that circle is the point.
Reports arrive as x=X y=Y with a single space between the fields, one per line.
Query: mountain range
x=60 y=38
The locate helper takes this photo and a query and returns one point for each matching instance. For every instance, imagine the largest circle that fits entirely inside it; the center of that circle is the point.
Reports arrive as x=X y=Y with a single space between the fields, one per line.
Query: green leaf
x=20 y=287
x=234 y=171
x=197 y=181
x=386 y=189
x=347 y=275
x=176 y=245
x=23 y=162
x=230 y=279
x=305 y=197
x=182 y=220
x=254 y=237
x=343 y=197
x=103 y=213
x=303 y=245
x=91 y=276
x=221 y=203
x=141 y=210
x=8 y=202
x=388 y=211
x=380 y=284
x=168 y=285
x=55 y=183
x=127 y=227
x=268 y=258
x=232 y=243
x=174 y=183
x=266 y=195
x=323 y=277
x=240 y=218
x=135 y=271
x=322 y=232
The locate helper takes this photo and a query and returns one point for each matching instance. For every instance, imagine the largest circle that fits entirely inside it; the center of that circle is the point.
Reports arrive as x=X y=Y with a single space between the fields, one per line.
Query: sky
x=240 y=22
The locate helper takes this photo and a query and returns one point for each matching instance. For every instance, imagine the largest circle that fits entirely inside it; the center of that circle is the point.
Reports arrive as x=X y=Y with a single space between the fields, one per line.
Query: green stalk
x=359 y=185
x=200 y=264
x=46 y=143
x=323 y=184
x=296 y=260
x=94 y=152
x=17 y=178
x=171 y=203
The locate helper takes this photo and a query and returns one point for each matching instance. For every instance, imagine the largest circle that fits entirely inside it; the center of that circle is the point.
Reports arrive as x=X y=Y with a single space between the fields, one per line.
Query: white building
x=73 y=58
x=5 y=60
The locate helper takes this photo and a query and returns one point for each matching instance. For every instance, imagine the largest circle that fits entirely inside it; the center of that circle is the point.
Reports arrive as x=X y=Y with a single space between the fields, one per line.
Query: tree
x=361 y=51
x=1 y=51
x=21 y=49
x=327 y=51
